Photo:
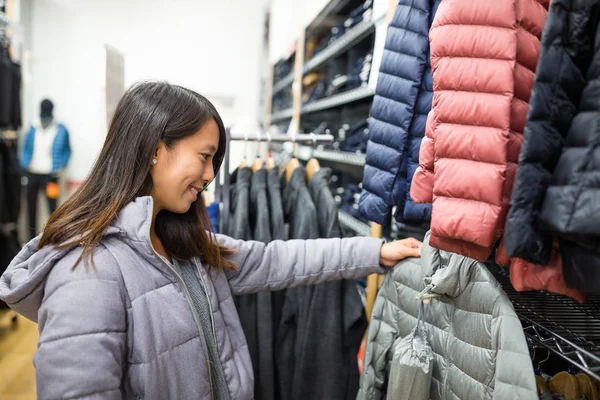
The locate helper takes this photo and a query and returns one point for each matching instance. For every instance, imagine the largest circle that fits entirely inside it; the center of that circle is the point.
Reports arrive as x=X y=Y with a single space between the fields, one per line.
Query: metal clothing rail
x=223 y=190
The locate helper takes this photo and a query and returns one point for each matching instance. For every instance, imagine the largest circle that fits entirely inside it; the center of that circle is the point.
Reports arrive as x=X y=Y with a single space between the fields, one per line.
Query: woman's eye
x=206 y=156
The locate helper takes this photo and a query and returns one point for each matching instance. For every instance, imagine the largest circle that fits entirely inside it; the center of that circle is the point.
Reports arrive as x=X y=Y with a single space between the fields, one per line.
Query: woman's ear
x=159 y=152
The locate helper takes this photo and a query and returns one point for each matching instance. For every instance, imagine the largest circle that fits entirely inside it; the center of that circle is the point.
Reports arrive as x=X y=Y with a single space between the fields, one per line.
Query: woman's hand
x=398 y=250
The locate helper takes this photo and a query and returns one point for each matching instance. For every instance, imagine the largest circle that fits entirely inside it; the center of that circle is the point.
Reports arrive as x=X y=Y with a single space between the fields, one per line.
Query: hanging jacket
x=61 y=149
x=483 y=55
x=556 y=183
x=15 y=118
x=397 y=125
x=239 y=218
x=329 y=320
x=259 y=307
x=301 y=214
x=6 y=83
x=479 y=346
x=275 y=205
x=125 y=329
x=240 y=228
x=213 y=211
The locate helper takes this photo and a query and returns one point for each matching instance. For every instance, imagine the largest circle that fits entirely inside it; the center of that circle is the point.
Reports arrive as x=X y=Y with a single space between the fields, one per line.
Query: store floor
x=18 y=344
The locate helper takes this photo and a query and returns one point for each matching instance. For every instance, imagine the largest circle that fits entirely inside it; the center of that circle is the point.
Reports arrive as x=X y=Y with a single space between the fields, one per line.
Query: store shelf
x=342 y=44
x=341 y=157
x=566 y=328
x=281 y=115
x=283 y=83
x=338 y=100
x=352 y=223
x=331 y=8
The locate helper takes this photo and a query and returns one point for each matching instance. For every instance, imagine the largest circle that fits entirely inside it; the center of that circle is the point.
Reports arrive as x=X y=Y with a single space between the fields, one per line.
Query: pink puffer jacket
x=483 y=58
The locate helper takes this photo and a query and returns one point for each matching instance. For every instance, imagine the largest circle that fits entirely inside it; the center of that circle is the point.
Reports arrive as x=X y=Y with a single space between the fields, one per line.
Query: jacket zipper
x=212 y=320
x=196 y=319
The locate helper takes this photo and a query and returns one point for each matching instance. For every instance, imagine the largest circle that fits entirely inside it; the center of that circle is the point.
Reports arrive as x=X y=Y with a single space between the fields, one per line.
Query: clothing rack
x=223 y=192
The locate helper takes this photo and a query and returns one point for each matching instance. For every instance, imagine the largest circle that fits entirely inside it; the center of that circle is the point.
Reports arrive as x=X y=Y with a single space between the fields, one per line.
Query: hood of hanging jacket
x=483 y=58
x=480 y=351
x=125 y=328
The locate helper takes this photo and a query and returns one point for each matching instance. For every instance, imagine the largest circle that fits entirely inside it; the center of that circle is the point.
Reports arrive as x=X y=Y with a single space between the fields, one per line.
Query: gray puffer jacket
x=125 y=329
x=479 y=346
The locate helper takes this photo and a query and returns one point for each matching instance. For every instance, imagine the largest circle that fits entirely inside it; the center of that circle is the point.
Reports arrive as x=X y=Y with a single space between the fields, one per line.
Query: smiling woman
x=155 y=318
x=165 y=141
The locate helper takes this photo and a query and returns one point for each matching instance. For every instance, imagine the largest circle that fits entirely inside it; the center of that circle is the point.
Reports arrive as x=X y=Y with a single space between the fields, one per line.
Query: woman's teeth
x=194 y=191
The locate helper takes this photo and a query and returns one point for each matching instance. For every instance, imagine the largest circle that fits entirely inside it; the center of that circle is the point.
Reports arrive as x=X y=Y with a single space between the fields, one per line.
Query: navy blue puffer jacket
x=403 y=99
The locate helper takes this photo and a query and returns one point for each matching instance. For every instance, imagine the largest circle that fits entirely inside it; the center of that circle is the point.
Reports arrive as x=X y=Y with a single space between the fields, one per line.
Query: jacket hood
x=22 y=284
x=449 y=273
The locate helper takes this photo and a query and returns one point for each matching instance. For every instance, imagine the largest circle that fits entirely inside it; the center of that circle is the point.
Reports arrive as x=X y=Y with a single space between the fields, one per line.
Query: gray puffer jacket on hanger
x=479 y=347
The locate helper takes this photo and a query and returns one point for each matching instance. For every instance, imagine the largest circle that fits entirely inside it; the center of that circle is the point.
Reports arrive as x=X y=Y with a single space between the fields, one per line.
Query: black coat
x=322 y=325
x=556 y=191
x=258 y=312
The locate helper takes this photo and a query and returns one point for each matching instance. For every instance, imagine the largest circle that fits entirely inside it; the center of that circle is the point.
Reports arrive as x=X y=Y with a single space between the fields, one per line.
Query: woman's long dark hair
x=148 y=113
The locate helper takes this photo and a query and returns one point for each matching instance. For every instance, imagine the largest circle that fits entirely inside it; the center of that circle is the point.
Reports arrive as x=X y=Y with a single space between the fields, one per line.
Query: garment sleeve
x=566 y=54
x=65 y=154
x=82 y=324
x=421 y=188
x=382 y=335
x=27 y=150
x=284 y=264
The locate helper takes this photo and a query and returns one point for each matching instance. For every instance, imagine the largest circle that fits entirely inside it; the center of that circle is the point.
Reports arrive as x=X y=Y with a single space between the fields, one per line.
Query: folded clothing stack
x=359 y=14
x=359 y=74
x=355 y=137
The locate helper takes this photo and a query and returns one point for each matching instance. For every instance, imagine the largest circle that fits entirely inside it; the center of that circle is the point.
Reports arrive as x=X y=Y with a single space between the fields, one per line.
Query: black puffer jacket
x=556 y=190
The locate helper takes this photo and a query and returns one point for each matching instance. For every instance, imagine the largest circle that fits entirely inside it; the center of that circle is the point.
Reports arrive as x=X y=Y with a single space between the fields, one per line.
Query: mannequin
x=46 y=152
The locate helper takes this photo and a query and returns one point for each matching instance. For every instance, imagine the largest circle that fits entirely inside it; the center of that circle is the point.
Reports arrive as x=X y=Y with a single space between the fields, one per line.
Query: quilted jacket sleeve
x=566 y=53
x=382 y=334
x=421 y=189
x=402 y=69
x=281 y=264
x=82 y=324
x=511 y=382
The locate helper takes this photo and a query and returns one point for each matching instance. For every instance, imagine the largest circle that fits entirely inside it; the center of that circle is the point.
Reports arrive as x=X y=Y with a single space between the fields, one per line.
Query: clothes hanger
x=244 y=162
x=293 y=163
x=313 y=164
x=270 y=162
x=257 y=164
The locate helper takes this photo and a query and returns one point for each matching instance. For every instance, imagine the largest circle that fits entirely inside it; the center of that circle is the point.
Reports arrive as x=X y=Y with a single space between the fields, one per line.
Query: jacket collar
x=446 y=273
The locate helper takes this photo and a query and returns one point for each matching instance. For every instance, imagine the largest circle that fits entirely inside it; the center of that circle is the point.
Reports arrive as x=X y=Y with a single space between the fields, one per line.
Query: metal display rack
x=283 y=83
x=331 y=8
x=281 y=115
x=353 y=224
x=557 y=323
x=341 y=157
x=339 y=100
x=346 y=41
x=257 y=137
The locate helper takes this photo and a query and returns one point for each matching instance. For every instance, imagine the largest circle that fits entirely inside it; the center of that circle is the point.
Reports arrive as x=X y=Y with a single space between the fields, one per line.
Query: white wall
x=210 y=46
